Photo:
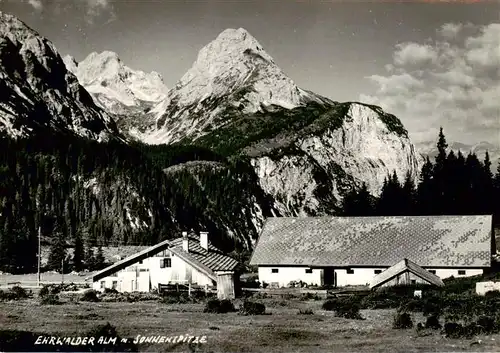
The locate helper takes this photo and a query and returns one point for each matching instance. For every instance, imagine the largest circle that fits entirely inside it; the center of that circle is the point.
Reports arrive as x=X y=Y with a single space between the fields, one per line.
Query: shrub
x=432 y=322
x=487 y=324
x=19 y=293
x=492 y=294
x=402 y=320
x=344 y=307
x=50 y=299
x=252 y=308
x=175 y=298
x=110 y=291
x=90 y=296
x=309 y=296
x=219 y=306
x=305 y=312
x=453 y=330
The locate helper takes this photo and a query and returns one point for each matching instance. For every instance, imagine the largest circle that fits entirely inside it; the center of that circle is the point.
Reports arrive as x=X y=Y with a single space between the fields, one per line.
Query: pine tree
x=99 y=259
x=58 y=250
x=79 y=252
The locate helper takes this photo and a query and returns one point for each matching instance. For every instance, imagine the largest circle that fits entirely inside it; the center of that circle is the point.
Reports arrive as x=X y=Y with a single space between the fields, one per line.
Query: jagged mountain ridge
x=127 y=94
x=38 y=93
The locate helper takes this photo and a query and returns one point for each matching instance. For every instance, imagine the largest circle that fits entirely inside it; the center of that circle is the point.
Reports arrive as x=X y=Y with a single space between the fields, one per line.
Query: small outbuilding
x=405 y=272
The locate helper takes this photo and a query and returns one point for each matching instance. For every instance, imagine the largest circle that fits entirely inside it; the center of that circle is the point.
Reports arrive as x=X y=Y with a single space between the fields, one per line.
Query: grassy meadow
x=281 y=329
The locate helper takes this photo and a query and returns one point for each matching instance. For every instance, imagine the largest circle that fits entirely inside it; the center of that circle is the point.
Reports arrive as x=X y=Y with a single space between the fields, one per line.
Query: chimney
x=204 y=240
x=185 y=242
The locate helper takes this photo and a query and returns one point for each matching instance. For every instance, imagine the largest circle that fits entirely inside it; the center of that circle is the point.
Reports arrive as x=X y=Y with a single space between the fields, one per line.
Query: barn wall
x=361 y=276
x=287 y=274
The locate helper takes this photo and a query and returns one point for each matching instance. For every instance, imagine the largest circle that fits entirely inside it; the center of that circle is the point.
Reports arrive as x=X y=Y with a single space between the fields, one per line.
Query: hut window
x=413 y=281
x=140 y=262
x=165 y=263
x=461 y=272
x=103 y=284
x=309 y=270
x=115 y=284
x=274 y=270
x=432 y=271
x=377 y=271
x=350 y=271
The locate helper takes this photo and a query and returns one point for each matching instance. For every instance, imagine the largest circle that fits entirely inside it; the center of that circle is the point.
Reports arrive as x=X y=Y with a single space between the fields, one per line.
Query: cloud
x=37 y=4
x=99 y=9
x=451 y=81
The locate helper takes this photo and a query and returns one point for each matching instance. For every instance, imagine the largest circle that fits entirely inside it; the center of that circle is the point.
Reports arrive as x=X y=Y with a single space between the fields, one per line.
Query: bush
x=14 y=293
x=50 y=299
x=175 y=298
x=90 y=296
x=432 y=322
x=110 y=291
x=344 y=307
x=309 y=296
x=305 y=312
x=252 y=308
x=487 y=324
x=402 y=320
x=453 y=330
x=219 y=306
x=19 y=293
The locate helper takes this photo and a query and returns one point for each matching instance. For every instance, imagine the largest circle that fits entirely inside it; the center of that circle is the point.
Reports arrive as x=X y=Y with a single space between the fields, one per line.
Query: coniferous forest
x=84 y=195
x=451 y=184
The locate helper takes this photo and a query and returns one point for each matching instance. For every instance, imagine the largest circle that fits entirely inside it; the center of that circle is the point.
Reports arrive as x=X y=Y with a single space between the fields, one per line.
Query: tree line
x=451 y=184
x=83 y=195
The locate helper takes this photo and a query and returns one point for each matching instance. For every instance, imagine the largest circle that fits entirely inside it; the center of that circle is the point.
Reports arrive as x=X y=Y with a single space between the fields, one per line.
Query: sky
x=432 y=63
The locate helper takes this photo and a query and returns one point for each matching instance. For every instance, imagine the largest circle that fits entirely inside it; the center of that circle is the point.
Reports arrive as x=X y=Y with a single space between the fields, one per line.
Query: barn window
x=165 y=263
x=350 y=271
x=309 y=270
x=274 y=270
x=461 y=272
x=432 y=271
x=377 y=271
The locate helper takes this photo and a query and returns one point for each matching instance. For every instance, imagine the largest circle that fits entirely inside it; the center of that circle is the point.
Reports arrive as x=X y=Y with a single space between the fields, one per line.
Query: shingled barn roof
x=430 y=241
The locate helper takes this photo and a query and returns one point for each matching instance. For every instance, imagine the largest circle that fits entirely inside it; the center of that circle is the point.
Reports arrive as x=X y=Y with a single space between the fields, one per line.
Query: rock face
x=312 y=178
x=38 y=93
x=128 y=95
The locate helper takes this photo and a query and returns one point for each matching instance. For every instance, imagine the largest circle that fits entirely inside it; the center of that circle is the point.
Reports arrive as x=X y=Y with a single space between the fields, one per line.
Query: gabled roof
x=152 y=250
x=401 y=267
x=430 y=241
x=208 y=262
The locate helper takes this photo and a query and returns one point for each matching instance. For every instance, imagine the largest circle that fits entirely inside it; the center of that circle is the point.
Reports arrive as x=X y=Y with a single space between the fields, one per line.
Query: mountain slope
x=37 y=93
x=128 y=95
x=307 y=150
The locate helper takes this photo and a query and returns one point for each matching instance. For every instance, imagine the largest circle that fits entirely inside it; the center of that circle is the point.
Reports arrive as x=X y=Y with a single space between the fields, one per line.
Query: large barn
x=340 y=251
x=189 y=260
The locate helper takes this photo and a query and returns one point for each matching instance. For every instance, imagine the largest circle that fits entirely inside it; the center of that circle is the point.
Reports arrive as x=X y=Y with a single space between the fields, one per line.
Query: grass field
x=281 y=331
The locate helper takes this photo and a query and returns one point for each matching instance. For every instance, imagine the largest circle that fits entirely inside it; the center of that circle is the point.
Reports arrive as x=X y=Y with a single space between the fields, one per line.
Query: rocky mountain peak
x=38 y=92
